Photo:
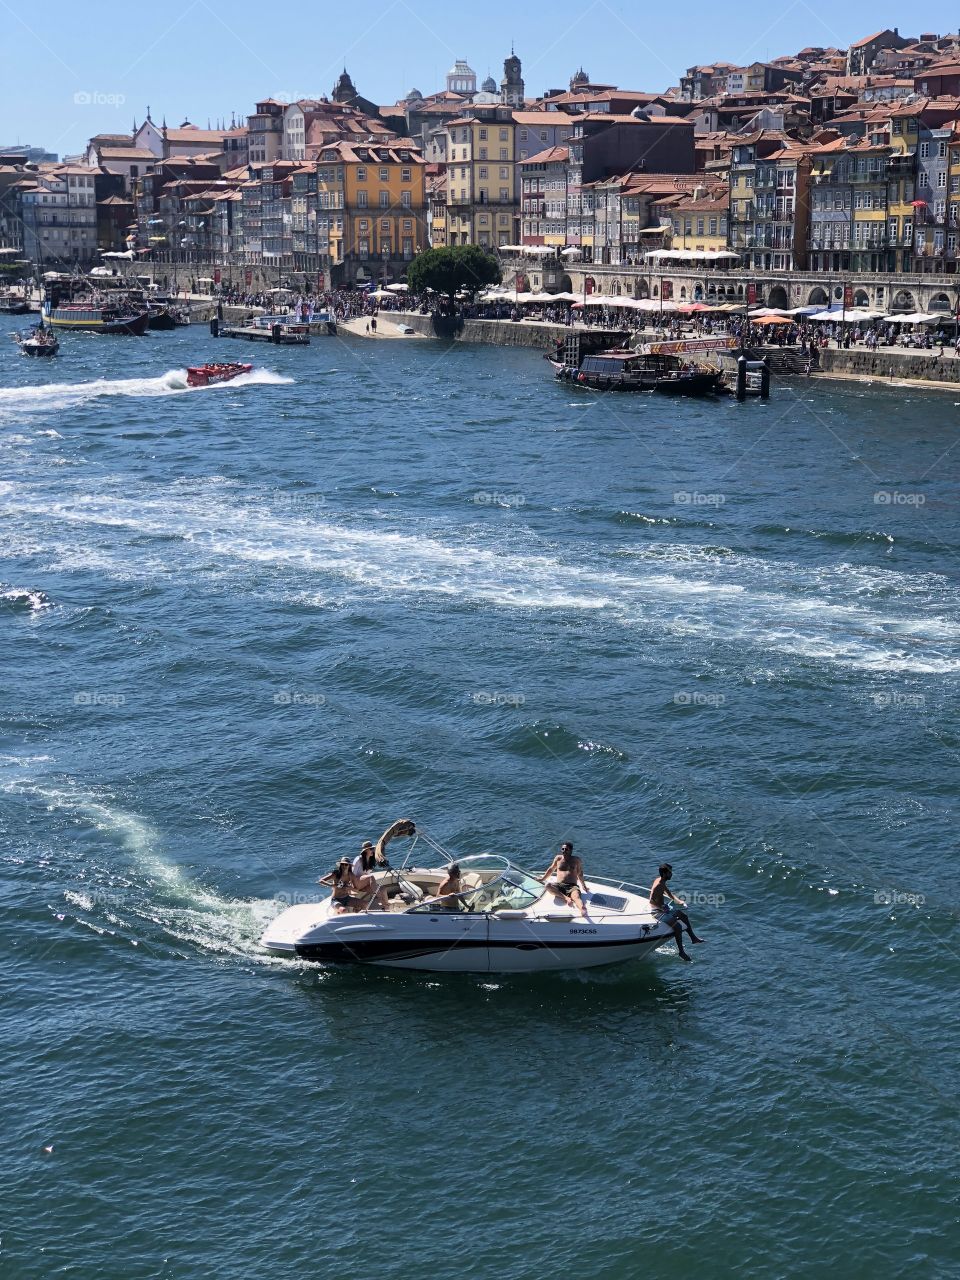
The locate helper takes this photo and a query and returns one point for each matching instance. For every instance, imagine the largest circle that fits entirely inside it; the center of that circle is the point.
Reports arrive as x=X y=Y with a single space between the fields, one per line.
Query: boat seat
x=471 y=880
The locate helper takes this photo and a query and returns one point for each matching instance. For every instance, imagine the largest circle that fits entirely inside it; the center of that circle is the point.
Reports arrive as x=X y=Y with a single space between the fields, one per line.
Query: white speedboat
x=505 y=921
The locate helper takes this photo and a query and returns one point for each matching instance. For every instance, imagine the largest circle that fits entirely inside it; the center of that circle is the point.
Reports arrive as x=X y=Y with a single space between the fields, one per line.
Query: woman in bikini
x=568 y=872
x=343 y=882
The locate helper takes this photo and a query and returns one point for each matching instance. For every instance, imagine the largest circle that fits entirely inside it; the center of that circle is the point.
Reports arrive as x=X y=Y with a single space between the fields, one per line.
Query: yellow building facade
x=373 y=200
x=481 y=196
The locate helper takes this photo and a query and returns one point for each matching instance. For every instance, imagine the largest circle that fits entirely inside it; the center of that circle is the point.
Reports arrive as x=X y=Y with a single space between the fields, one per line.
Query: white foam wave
x=67 y=395
x=877 y=620
x=146 y=889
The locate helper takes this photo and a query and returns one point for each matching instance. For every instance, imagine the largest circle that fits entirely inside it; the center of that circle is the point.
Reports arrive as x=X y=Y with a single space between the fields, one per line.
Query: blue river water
x=244 y=628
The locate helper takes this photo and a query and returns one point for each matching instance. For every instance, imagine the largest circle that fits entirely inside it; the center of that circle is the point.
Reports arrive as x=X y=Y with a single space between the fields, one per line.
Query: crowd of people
x=809 y=337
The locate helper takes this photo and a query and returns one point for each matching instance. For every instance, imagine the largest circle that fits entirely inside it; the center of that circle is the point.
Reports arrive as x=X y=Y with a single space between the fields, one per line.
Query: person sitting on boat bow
x=567 y=869
x=668 y=912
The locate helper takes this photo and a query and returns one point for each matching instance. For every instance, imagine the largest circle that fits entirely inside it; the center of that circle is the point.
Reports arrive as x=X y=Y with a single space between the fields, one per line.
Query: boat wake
x=67 y=395
x=127 y=889
x=861 y=617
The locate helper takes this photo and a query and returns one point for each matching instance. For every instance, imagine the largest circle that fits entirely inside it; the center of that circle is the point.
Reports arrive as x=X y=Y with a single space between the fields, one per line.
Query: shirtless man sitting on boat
x=568 y=882
x=669 y=912
x=450 y=887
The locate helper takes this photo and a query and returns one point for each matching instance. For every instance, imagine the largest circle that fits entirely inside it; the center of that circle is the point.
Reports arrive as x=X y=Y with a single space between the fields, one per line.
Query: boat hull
x=161 y=320
x=460 y=942
x=39 y=349
x=694 y=384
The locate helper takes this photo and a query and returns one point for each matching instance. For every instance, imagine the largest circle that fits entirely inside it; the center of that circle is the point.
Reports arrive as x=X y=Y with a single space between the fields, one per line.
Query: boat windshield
x=507 y=888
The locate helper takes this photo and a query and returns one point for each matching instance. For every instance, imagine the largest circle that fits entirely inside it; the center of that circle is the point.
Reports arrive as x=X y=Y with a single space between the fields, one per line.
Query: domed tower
x=489 y=85
x=511 y=86
x=579 y=80
x=344 y=91
x=461 y=78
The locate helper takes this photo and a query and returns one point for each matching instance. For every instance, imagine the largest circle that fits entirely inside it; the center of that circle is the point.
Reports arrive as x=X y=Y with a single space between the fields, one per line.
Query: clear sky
x=73 y=68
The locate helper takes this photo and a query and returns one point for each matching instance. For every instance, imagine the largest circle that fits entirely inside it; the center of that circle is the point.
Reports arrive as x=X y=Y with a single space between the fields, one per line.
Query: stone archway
x=903 y=300
x=861 y=298
x=644 y=290
x=939 y=302
x=818 y=298
x=566 y=284
x=777 y=298
x=683 y=293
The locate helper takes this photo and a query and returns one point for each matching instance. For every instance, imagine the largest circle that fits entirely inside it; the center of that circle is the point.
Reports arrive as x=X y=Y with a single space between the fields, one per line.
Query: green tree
x=446 y=271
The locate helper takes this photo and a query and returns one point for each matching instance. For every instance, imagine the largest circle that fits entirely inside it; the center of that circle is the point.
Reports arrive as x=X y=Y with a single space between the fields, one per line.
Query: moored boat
x=504 y=921
x=94 y=316
x=661 y=367
x=203 y=375
x=14 y=304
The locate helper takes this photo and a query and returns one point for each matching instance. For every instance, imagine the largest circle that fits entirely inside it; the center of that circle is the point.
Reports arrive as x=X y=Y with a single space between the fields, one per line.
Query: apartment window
x=907 y=230
x=942 y=178
x=363 y=224
x=408 y=224
x=543 y=135
x=504 y=135
x=361 y=173
x=952 y=243
x=405 y=199
x=892 y=227
x=713 y=226
x=924 y=150
x=504 y=193
x=384 y=199
x=483 y=153
x=405 y=175
x=897 y=127
x=483 y=171
x=384 y=175
x=699 y=226
x=523 y=155
x=384 y=224
x=941 y=149
x=523 y=135
x=362 y=199
x=504 y=153
x=483 y=135
x=504 y=172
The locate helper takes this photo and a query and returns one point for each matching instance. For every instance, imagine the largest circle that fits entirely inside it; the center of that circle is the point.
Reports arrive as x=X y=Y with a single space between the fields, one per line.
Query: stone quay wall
x=920 y=366
x=507 y=333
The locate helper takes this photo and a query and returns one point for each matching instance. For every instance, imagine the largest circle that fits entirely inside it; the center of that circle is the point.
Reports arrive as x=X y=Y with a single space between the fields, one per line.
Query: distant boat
x=203 y=374
x=14 y=304
x=91 y=316
x=37 y=341
x=94 y=316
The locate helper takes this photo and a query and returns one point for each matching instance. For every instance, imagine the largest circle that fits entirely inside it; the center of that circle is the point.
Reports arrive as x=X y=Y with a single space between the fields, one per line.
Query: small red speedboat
x=202 y=375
